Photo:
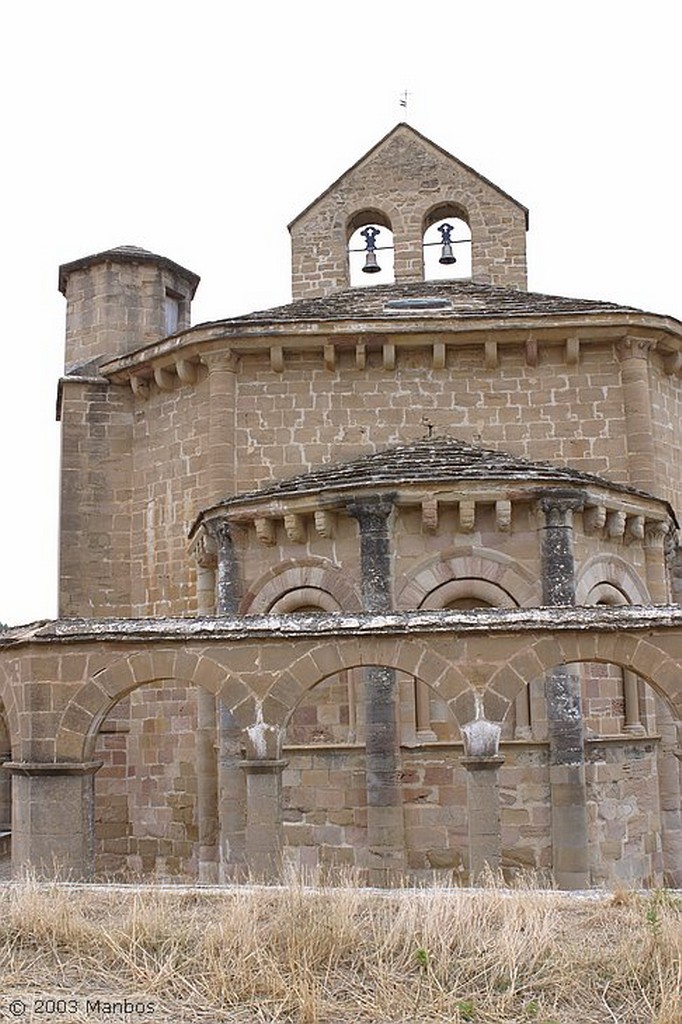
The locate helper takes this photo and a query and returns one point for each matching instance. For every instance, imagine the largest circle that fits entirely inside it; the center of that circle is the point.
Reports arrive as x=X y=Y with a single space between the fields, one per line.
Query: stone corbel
x=594 y=518
x=163 y=378
x=490 y=357
x=615 y=523
x=205 y=550
x=672 y=364
x=276 y=358
x=531 y=350
x=572 y=351
x=265 y=531
x=467 y=515
x=634 y=529
x=186 y=371
x=324 y=523
x=294 y=527
x=360 y=355
x=503 y=515
x=140 y=387
x=388 y=350
x=329 y=353
x=430 y=514
x=439 y=355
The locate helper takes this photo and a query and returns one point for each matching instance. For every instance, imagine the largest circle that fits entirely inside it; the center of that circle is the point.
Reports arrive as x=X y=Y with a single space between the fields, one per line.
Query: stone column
x=655 y=535
x=232 y=785
x=207 y=728
x=264 y=831
x=385 y=823
x=634 y=362
x=482 y=762
x=567 y=782
x=53 y=819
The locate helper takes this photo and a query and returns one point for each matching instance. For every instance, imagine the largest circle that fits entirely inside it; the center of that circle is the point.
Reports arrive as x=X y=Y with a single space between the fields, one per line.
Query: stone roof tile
x=449 y=300
x=430 y=460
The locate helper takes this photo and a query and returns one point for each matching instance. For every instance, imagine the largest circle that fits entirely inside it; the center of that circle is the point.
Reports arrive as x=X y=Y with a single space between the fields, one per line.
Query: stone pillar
x=634 y=362
x=385 y=823
x=264 y=831
x=655 y=535
x=53 y=819
x=567 y=782
x=633 y=722
x=482 y=762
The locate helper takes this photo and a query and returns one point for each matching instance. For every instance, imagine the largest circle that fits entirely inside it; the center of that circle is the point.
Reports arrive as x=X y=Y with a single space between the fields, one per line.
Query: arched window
x=370 y=249
x=447 y=244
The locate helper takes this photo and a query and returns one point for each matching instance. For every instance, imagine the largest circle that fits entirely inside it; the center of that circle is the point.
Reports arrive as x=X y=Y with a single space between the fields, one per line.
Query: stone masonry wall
x=170 y=467
x=145 y=793
x=306 y=415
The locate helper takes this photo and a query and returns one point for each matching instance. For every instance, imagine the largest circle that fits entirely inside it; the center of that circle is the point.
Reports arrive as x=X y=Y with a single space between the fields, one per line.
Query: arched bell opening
x=371 y=253
x=446 y=243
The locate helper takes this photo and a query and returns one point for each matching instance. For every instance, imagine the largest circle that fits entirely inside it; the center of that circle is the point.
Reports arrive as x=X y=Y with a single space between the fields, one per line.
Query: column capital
x=633 y=347
x=372 y=509
x=223 y=359
x=655 y=533
x=558 y=505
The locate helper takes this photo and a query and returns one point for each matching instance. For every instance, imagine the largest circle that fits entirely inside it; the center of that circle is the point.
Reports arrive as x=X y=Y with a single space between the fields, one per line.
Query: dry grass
x=344 y=955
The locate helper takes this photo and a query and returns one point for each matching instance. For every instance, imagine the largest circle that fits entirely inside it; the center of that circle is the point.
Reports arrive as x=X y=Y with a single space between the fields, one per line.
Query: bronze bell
x=447 y=255
x=371 y=266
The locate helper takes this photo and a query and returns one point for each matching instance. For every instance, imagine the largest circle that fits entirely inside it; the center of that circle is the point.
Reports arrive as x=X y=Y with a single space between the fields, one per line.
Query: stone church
x=380 y=582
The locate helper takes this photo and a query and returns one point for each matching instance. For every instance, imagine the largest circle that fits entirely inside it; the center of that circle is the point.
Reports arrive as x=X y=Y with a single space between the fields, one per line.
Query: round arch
x=85 y=712
x=481 y=564
x=324 y=577
x=627 y=651
x=613 y=570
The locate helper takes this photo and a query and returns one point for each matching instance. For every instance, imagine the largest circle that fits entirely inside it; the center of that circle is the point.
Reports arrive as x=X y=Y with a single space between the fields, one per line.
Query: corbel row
x=467 y=514
x=438 y=347
x=296 y=525
x=617 y=523
x=165 y=377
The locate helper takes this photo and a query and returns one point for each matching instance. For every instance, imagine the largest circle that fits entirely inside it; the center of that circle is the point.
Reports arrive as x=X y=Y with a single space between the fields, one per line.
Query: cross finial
x=403 y=99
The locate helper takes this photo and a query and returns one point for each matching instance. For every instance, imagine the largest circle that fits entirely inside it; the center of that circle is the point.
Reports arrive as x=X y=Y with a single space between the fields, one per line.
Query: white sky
x=198 y=130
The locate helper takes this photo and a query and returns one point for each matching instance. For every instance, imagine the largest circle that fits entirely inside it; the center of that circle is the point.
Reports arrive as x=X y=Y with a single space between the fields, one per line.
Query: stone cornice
x=533 y=331
x=599 y=618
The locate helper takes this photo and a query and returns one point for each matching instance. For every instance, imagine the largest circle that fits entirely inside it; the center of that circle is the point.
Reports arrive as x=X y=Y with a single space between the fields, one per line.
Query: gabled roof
x=459 y=299
x=403 y=127
x=434 y=460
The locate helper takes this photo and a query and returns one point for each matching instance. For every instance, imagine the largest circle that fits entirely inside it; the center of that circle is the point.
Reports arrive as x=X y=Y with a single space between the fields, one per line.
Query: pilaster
x=633 y=353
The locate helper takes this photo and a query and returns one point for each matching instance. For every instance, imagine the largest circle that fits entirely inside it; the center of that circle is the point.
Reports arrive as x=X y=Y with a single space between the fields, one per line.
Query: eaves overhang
x=242 y=337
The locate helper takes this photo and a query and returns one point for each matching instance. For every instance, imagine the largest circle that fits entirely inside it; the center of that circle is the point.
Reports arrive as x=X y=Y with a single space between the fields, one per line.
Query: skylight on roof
x=425 y=302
